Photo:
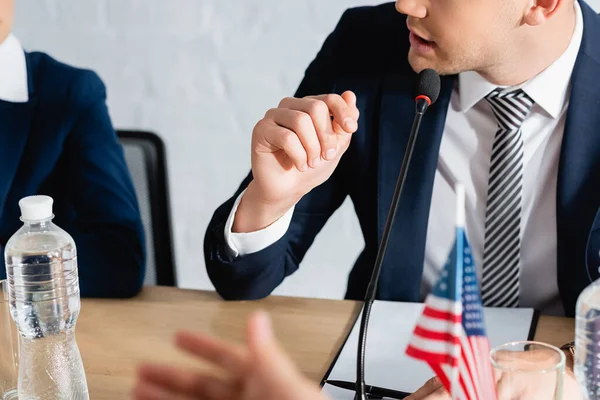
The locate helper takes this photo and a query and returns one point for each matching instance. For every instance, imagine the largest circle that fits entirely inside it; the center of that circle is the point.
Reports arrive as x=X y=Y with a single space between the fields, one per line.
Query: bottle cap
x=36 y=208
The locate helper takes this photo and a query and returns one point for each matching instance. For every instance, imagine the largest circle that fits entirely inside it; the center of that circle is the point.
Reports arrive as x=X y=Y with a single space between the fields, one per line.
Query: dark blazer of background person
x=61 y=143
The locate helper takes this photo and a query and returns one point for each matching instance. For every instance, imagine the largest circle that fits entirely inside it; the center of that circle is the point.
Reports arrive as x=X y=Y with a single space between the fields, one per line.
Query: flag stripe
x=436 y=347
x=466 y=385
x=436 y=358
x=436 y=325
x=450 y=333
x=447 y=316
x=487 y=377
x=469 y=364
x=442 y=304
x=437 y=368
x=435 y=335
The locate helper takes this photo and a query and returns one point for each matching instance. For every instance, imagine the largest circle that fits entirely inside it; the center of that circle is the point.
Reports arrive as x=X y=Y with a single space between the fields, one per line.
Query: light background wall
x=201 y=73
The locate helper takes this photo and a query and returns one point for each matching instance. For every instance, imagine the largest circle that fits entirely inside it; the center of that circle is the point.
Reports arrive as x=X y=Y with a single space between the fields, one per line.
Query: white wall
x=201 y=73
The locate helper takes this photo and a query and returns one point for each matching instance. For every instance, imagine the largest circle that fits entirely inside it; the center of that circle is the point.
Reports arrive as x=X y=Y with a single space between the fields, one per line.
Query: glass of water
x=529 y=370
x=8 y=348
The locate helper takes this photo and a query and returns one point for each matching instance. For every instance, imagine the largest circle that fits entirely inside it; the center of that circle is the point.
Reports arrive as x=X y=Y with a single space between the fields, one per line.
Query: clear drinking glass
x=8 y=348
x=529 y=371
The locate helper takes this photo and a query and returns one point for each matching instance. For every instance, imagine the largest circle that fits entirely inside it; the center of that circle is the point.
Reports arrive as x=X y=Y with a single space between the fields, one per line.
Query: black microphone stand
x=422 y=103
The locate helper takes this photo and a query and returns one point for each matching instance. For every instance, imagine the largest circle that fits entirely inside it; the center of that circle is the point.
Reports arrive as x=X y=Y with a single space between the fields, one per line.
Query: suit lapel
x=15 y=123
x=403 y=262
x=578 y=194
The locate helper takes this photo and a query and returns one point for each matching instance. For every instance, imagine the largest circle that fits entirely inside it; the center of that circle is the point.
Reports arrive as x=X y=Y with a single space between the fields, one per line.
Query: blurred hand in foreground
x=258 y=371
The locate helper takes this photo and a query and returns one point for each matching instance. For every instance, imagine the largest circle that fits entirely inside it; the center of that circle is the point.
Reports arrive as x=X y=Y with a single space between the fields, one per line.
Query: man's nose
x=412 y=8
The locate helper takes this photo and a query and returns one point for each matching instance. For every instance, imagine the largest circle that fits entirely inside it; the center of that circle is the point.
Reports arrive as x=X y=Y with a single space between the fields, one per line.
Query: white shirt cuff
x=241 y=244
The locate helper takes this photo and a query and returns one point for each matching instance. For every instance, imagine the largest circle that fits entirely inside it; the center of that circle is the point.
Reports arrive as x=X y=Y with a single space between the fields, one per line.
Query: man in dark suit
x=545 y=58
x=516 y=124
x=56 y=138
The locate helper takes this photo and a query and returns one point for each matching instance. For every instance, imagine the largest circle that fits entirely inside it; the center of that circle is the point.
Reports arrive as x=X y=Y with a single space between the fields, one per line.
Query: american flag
x=450 y=334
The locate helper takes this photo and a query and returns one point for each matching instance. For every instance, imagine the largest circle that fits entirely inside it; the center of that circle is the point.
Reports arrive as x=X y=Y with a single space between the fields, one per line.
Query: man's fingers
x=331 y=115
x=302 y=124
x=430 y=388
x=182 y=382
x=148 y=391
x=228 y=356
x=344 y=115
x=320 y=114
x=277 y=137
x=350 y=99
x=440 y=394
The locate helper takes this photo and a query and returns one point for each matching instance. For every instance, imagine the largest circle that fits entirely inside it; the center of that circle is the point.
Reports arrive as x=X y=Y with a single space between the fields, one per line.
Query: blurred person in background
x=57 y=139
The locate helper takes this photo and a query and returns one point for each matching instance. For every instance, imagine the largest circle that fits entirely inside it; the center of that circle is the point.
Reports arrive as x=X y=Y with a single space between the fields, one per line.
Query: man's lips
x=420 y=45
x=421 y=38
x=424 y=38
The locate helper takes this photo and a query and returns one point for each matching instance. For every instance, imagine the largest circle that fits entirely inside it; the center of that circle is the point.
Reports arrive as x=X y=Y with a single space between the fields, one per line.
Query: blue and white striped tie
x=502 y=246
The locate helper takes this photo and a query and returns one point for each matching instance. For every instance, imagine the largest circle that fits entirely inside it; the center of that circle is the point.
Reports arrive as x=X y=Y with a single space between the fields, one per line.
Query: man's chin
x=418 y=63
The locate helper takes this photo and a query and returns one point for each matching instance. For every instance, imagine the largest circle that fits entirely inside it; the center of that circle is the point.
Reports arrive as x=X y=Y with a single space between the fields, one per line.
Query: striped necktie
x=502 y=245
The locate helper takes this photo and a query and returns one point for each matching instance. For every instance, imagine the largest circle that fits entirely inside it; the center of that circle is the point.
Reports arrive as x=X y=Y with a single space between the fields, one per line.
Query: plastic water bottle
x=43 y=286
x=587 y=341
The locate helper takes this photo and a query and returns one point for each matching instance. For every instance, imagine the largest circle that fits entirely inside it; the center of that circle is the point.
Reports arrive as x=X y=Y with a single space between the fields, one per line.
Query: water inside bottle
x=587 y=347
x=44 y=285
x=44 y=300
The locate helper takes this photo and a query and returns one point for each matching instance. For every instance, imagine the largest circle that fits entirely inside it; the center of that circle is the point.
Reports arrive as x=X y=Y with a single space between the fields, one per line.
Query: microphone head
x=428 y=85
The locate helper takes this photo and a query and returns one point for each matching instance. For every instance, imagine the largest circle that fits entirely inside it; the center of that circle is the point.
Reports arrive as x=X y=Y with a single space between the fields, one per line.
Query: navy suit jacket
x=367 y=53
x=61 y=143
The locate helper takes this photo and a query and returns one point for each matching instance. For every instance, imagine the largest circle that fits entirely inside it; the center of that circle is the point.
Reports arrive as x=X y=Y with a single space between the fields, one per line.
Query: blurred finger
x=302 y=124
x=182 y=382
x=228 y=356
x=260 y=329
x=429 y=388
x=148 y=391
x=264 y=345
x=440 y=394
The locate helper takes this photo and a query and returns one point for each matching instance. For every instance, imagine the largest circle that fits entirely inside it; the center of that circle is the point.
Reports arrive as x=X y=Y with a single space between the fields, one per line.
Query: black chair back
x=146 y=160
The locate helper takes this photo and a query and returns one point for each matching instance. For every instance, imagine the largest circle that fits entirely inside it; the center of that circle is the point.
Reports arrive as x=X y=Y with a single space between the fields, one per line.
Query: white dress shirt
x=13 y=71
x=464 y=157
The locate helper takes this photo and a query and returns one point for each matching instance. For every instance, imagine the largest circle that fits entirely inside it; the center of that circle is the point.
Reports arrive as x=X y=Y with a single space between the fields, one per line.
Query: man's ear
x=541 y=10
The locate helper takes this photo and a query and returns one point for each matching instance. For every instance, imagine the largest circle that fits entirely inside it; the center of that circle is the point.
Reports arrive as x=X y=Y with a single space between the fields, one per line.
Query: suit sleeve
x=256 y=275
x=107 y=226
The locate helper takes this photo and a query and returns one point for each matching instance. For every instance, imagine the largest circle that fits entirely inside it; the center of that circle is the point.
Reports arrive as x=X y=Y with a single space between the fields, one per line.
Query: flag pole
x=460 y=218
x=459 y=189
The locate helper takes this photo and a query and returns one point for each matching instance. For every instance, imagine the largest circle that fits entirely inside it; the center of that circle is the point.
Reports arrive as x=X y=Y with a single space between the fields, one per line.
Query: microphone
x=427 y=92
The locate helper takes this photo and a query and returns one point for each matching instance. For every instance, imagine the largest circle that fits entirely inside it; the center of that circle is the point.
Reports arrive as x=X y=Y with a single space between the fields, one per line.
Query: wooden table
x=114 y=336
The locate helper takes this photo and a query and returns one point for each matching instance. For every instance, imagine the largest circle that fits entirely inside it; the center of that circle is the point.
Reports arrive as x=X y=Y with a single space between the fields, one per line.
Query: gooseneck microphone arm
x=428 y=89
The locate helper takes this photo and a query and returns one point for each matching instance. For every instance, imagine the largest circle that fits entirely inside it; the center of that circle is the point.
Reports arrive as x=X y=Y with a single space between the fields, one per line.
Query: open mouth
x=421 y=44
x=423 y=41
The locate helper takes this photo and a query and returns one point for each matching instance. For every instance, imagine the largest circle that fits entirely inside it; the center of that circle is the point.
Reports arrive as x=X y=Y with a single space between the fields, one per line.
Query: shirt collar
x=13 y=71
x=548 y=89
